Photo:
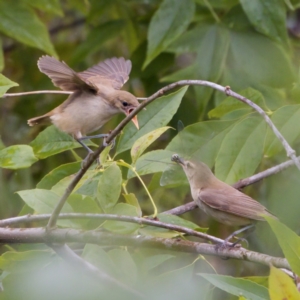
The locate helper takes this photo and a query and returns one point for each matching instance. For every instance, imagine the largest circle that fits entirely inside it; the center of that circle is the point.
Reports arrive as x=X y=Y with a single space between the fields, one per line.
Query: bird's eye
x=125 y=103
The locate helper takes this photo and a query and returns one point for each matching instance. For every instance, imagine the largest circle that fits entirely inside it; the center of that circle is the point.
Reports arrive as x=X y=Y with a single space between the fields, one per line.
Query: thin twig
x=84 y=266
x=117 y=130
x=40 y=235
x=7 y=95
x=266 y=173
x=36 y=93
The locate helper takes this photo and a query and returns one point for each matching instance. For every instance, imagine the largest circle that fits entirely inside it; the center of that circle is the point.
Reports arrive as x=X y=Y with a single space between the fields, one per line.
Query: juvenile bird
x=95 y=100
x=221 y=201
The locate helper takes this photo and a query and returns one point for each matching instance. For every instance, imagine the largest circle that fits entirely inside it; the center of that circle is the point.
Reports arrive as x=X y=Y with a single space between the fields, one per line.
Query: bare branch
x=117 y=130
x=35 y=93
x=44 y=92
x=141 y=221
x=266 y=173
x=76 y=261
x=40 y=235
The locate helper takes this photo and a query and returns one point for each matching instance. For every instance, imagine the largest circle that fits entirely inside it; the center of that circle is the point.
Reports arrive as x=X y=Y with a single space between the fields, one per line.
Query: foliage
x=242 y=44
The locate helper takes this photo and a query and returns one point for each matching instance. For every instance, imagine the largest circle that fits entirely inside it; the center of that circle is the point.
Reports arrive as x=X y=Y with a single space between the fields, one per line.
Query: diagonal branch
x=290 y=152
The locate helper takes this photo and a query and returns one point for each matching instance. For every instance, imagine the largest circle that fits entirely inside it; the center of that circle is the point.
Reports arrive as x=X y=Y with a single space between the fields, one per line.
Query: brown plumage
x=221 y=201
x=96 y=95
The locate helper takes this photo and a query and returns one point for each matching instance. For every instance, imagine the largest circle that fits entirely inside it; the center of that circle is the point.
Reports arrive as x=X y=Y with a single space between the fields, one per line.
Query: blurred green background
x=251 y=46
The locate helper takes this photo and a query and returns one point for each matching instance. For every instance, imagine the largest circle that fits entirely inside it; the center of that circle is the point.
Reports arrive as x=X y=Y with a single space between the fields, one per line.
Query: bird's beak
x=135 y=122
x=176 y=158
x=134 y=119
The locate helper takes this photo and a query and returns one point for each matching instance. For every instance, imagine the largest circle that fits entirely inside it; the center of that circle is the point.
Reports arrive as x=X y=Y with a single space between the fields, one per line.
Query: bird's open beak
x=135 y=122
x=134 y=119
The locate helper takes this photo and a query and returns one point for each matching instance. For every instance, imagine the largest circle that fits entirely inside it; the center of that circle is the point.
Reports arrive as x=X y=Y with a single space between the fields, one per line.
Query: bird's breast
x=86 y=113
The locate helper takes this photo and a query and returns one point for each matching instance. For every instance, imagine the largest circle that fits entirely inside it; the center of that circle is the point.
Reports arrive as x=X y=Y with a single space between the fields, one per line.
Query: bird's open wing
x=61 y=74
x=113 y=72
x=237 y=204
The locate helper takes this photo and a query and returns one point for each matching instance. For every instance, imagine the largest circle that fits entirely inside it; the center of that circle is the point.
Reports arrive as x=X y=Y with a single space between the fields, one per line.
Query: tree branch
x=40 y=235
x=35 y=93
x=137 y=220
x=91 y=158
x=7 y=95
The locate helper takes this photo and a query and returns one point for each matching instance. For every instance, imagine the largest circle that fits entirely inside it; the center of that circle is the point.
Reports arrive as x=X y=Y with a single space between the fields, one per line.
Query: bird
x=96 y=96
x=219 y=200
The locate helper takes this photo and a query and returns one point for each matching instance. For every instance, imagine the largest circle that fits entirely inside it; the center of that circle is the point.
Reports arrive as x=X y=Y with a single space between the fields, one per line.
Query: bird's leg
x=225 y=243
x=89 y=150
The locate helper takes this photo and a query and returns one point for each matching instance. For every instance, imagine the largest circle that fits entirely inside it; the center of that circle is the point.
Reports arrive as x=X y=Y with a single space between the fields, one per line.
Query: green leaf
x=159 y=232
x=88 y=184
x=286 y=119
x=127 y=269
x=269 y=65
x=96 y=38
x=51 y=6
x=231 y=104
x=181 y=280
x=268 y=17
x=151 y=262
x=214 y=42
x=85 y=204
x=144 y=142
x=289 y=242
x=238 y=286
x=58 y=174
x=281 y=286
x=242 y=150
x=158 y=114
x=99 y=258
x=109 y=187
x=132 y=200
x=25 y=261
x=261 y=280
x=122 y=209
x=5 y=84
x=52 y=141
x=152 y=162
x=17 y=157
x=21 y=23
x=42 y=201
x=175 y=220
x=167 y=24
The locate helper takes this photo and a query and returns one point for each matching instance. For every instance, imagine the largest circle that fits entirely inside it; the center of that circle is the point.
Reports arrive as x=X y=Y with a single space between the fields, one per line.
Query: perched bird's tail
x=38 y=120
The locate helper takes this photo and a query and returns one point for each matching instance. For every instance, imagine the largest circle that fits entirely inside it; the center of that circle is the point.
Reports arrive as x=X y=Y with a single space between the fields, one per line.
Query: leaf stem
x=124 y=164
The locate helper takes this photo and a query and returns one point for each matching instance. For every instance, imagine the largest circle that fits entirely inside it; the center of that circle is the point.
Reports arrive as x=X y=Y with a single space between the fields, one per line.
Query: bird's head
x=126 y=103
x=196 y=171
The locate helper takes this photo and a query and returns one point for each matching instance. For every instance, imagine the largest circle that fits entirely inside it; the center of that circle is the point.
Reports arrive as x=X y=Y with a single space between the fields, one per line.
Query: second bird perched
x=221 y=201
x=96 y=96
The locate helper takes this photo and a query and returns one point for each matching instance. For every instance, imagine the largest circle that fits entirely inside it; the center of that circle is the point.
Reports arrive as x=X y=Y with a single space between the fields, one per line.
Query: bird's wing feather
x=237 y=204
x=61 y=74
x=113 y=71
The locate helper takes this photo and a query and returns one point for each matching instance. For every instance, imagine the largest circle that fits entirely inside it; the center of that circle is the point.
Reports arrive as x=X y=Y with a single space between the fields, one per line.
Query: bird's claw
x=85 y=161
x=112 y=143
